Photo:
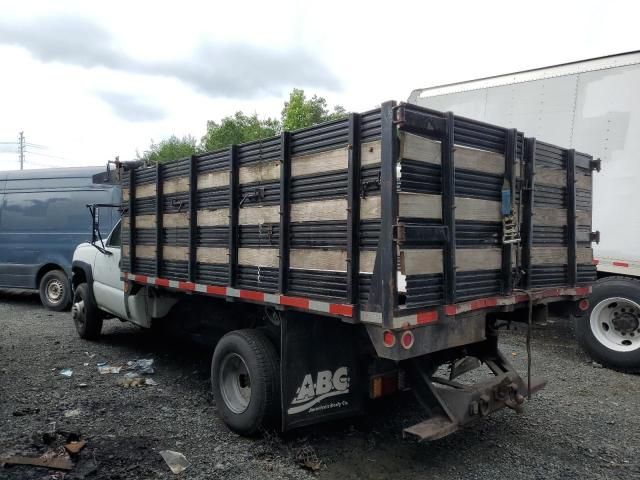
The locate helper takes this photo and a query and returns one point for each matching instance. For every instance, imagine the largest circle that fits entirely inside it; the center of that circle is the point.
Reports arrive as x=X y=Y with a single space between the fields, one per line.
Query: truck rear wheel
x=610 y=333
x=55 y=291
x=245 y=378
x=86 y=315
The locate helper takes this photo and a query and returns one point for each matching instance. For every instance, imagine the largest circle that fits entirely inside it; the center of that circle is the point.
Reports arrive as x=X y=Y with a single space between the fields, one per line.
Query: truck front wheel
x=86 y=315
x=245 y=378
x=610 y=333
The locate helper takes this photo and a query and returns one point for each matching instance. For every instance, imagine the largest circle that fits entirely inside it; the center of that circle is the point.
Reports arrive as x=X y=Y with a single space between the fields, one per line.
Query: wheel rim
x=55 y=290
x=78 y=312
x=615 y=322
x=235 y=383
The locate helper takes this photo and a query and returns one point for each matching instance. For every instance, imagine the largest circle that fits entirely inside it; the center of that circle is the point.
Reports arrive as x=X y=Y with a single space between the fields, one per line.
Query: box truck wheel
x=85 y=314
x=55 y=291
x=245 y=378
x=610 y=332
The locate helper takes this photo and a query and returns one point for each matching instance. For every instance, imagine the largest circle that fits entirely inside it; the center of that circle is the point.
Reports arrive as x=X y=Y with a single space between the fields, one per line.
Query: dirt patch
x=584 y=424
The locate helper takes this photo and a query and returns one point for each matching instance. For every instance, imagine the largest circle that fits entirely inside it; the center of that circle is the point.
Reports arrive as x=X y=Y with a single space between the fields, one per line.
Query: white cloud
x=192 y=61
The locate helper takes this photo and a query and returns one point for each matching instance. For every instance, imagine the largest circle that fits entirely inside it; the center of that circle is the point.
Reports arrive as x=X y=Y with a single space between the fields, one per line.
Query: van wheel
x=245 y=378
x=55 y=290
x=610 y=333
x=86 y=315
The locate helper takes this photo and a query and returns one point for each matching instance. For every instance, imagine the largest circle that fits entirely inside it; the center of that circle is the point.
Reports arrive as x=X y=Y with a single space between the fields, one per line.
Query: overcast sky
x=91 y=80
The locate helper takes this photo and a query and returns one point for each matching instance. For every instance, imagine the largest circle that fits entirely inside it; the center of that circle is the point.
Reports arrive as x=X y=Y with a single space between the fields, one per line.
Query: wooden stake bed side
x=312 y=217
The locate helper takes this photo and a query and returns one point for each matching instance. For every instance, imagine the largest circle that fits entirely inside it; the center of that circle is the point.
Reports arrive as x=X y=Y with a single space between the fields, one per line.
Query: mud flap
x=319 y=370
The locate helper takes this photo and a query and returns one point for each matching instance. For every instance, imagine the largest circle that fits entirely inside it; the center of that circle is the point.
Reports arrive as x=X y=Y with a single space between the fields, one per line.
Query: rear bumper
x=451 y=326
x=473 y=403
x=451 y=405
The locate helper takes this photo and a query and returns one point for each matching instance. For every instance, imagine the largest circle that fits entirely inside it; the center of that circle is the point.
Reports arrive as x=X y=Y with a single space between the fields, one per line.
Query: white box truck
x=591 y=105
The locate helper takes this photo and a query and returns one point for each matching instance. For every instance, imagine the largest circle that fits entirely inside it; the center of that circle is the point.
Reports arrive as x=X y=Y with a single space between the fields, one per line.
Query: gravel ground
x=585 y=424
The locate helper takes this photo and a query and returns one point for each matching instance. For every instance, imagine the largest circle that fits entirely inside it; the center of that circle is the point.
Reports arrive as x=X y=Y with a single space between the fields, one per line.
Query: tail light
x=388 y=339
x=407 y=340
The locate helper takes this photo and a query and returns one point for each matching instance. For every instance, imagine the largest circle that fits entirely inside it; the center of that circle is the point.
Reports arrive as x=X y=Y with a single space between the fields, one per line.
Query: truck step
x=432 y=429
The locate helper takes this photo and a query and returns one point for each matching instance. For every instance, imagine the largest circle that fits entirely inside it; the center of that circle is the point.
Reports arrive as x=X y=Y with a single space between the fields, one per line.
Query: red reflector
x=388 y=338
x=407 y=340
x=427 y=317
x=583 y=304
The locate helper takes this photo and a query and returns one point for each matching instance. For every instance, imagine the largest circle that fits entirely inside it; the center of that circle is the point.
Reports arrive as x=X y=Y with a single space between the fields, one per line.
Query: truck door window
x=114 y=239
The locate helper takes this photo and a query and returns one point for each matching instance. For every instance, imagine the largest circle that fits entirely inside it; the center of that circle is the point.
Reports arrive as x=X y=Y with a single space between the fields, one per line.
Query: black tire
x=55 y=290
x=86 y=315
x=604 y=289
x=262 y=363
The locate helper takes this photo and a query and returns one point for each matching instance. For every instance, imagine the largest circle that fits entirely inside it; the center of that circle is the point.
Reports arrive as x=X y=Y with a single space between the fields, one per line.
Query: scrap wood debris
x=48 y=460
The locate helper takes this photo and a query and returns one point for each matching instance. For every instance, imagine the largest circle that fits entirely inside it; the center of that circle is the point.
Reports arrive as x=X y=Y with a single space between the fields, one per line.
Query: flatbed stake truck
x=347 y=261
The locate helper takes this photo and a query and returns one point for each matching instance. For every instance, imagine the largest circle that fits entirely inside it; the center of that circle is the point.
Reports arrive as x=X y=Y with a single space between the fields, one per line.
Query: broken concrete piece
x=176 y=461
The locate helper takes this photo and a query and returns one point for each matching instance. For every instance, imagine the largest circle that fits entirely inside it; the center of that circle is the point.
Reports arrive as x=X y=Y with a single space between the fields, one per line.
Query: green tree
x=239 y=128
x=300 y=112
x=170 y=149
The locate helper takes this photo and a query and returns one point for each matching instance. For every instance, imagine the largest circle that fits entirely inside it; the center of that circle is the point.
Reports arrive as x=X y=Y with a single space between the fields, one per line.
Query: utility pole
x=21 y=137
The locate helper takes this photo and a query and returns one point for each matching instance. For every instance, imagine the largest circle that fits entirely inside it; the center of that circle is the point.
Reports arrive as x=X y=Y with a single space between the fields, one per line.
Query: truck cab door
x=108 y=288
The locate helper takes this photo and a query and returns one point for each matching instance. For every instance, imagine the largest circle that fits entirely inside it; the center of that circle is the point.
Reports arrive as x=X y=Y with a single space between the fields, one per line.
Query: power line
x=48 y=155
x=35 y=145
x=21 y=150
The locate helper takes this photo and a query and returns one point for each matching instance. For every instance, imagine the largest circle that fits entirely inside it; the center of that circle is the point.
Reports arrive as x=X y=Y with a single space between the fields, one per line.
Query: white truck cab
x=99 y=291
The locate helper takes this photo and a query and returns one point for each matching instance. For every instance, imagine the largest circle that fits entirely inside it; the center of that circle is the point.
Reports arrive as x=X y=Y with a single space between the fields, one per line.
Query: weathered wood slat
x=333 y=260
x=310 y=259
x=320 y=162
x=424 y=205
x=584 y=255
x=142 y=191
x=260 y=172
x=583 y=217
x=367 y=260
x=259 y=215
x=555 y=217
x=334 y=209
x=549 y=255
x=425 y=261
x=478 y=160
x=469 y=259
x=218 y=178
x=212 y=255
x=417 y=262
x=419 y=205
x=370 y=207
x=420 y=149
x=175 y=185
x=260 y=257
x=174 y=220
x=174 y=253
x=212 y=218
x=142 y=221
x=583 y=181
x=142 y=251
x=548 y=176
x=370 y=153
x=476 y=209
